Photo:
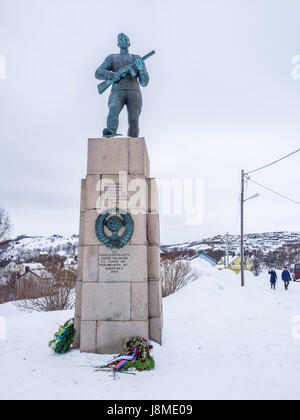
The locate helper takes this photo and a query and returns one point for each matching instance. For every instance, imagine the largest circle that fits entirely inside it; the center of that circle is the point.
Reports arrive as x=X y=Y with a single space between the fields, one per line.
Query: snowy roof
x=206 y=257
x=34 y=266
x=43 y=274
x=4 y=263
x=37 y=269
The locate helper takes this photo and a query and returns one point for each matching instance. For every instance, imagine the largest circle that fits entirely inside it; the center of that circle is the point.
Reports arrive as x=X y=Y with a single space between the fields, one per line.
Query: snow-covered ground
x=220 y=342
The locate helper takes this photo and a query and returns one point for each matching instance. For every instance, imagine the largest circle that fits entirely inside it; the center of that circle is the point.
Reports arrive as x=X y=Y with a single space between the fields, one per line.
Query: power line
x=273 y=163
x=237 y=219
x=245 y=178
x=275 y=192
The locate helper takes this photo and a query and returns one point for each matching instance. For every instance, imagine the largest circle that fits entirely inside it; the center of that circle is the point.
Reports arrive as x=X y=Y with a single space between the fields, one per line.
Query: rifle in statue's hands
x=122 y=73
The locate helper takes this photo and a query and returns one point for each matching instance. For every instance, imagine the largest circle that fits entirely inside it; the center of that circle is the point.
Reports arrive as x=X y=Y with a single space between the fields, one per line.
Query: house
x=205 y=257
x=36 y=275
x=7 y=267
x=34 y=267
x=32 y=282
x=71 y=262
x=223 y=263
x=234 y=264
x=4 y=267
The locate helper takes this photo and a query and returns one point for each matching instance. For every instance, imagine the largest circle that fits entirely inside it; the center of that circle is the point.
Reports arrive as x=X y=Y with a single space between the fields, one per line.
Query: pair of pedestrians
x=285 y=276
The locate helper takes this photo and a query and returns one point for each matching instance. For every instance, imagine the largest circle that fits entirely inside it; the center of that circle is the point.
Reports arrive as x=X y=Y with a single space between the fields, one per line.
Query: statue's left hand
x=140 y=64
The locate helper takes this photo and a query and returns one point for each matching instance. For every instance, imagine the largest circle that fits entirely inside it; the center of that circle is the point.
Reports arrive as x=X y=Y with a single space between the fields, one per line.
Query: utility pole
x=227 y=253
x=242 y=229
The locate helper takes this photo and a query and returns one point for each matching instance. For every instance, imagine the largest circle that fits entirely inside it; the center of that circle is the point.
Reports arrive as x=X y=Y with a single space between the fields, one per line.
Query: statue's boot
x=107 y=132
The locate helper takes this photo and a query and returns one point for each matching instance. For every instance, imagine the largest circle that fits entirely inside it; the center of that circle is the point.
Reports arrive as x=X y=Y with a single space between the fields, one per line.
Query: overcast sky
x=221 y=98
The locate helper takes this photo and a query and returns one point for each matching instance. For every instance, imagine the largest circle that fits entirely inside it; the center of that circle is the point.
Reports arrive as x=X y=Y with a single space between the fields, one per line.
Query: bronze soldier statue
x=126 y=72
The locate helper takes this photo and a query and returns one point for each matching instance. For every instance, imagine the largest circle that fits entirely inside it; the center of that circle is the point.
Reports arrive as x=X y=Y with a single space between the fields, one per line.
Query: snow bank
x=220 y=342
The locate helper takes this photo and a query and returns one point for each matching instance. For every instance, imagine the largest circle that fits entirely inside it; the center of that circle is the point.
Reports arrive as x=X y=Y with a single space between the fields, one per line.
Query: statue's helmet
x=123 y=40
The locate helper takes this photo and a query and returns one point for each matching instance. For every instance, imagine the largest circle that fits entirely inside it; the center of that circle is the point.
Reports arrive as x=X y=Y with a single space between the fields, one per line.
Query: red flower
x=143 y=360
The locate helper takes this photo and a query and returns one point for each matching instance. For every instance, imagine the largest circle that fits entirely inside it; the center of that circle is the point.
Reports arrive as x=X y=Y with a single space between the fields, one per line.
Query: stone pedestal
x=118 y=292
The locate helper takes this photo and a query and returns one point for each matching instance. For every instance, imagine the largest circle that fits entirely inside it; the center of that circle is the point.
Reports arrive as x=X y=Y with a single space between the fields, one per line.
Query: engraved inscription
x=114 y=262
x=112 y=193
x=127 y=264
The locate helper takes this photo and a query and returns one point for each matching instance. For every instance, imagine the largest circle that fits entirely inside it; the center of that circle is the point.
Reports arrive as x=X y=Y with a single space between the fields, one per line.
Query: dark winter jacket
x=286 y=275
x=273 y=276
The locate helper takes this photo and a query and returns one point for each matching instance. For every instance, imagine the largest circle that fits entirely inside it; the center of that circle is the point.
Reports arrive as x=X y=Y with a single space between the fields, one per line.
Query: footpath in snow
x=220 y=342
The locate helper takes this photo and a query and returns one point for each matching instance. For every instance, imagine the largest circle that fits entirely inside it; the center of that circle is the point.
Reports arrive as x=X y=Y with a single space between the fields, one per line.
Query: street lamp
x=252 y=196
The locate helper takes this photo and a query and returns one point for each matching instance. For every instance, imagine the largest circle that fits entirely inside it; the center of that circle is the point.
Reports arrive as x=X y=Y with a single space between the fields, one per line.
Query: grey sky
x=221 y=98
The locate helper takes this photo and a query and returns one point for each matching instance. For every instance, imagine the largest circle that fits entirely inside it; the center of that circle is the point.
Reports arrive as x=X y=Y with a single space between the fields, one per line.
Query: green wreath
x=63 y=338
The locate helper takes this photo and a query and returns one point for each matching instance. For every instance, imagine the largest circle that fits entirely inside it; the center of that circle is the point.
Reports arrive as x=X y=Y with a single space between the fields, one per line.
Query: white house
x=8 y=267
x=34 y=267
x=31 y=283
x=71 y=263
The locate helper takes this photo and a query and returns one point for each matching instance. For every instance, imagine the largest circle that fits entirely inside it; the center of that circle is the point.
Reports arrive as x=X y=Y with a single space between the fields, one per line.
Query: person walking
x=273 y=278
x=286 y=278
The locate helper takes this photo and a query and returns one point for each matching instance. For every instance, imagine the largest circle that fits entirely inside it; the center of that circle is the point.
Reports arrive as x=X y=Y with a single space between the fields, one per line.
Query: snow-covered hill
x=30 y=247
x=33 y=246
x=264 y=242
x=220 y=342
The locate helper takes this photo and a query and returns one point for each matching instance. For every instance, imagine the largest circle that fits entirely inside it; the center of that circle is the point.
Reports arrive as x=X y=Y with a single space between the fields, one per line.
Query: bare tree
x=286 y=255
x=5 y=229
x=51 y=294
x=8 y=288
x=5 y=225
x=175 y=274
x=257 y=266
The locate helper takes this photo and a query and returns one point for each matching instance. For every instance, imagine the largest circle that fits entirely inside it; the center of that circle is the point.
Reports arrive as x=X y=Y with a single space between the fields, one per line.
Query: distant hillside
x=26 y=247
x=263 y=242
